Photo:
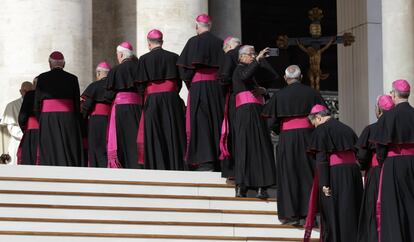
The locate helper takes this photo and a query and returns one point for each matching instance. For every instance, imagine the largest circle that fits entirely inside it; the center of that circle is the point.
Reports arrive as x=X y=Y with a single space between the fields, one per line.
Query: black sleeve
x=38 y=98
x=364 y=156
x=273 y=123
x=86 y=107
x=226 y=70
x=324 y=169
x=382 y=151
x=246 y=74
x=186 y=74
x=76 y=96
x=24 y=113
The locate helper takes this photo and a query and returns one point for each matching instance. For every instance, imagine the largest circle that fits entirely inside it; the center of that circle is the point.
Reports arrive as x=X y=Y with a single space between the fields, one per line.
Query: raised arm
x=328 y=45
x=301 y=46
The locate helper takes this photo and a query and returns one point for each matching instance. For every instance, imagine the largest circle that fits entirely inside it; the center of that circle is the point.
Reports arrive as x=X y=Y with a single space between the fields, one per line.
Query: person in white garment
x=10 y=119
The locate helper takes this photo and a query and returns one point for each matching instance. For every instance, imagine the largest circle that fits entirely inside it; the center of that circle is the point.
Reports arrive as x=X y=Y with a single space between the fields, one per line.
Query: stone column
x=176 y=19
x=398 y=42
x=113 y=22
x=359 y=66
x=31 y=30
x=226 y=17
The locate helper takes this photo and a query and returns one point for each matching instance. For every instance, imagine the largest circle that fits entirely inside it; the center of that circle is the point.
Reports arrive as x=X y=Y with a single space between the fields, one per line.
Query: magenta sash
x=247 y=97
x=312 y=208
x=342 y=157
x=224 y=149
x=101 y=109
x=374 y=160
x=295 y=123
x=120 y=98
x=400 y=150
x=57 y=105
x=152 y=87
x=32 y=123
x=201 y=74
x=378 y=212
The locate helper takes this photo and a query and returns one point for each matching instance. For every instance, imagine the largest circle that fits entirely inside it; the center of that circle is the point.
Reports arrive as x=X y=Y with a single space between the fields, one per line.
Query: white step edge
x=116 y=188
x=139 y=202
x=111 y=174
x=212 y=217
x=154 y=229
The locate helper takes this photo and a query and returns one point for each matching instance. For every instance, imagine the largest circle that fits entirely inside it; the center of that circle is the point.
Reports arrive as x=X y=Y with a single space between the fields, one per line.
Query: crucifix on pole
x=312 y=46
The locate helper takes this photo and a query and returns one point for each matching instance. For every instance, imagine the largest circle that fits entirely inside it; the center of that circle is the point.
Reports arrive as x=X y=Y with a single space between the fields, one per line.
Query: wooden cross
x=312 y=46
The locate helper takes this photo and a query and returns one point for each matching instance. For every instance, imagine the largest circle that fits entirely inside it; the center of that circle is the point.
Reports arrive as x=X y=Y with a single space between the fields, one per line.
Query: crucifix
x=312 y=46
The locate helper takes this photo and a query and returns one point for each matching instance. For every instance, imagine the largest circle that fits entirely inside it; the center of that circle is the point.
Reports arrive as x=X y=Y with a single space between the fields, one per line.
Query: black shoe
x=262 y=193
x=241 y=191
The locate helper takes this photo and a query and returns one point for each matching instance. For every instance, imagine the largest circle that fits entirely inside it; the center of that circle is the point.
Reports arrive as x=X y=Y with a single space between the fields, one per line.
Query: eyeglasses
x=392 y=92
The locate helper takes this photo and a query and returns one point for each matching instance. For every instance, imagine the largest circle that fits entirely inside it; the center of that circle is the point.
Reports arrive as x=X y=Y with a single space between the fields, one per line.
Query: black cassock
x=295 y=167
x=122 y=79
x=93 y=107
x=395 y=133
x=254 y=159
x=339 y=212
x=203 y=54
x=60 y=138
x=29 y=145
x=367 y=226
x=164 y=140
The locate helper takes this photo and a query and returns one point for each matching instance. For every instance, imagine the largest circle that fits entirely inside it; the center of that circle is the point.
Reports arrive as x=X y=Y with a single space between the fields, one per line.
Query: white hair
x=233 y=41
x=245 y=49
x=204 y=25
x=56 y=63
x=102 y=69
x=125 y=51
x=293 y=72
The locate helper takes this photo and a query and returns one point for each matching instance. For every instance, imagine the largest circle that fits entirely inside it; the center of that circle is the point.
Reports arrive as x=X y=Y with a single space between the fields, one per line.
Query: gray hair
x=233 y=41
x=245 y=49
x=204 y=25
x=403 y=95
x=56 y=63
x=293 y=72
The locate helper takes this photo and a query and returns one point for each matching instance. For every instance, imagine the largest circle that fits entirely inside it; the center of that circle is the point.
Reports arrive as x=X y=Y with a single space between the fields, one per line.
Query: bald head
x=25 y=87
x=293 y=74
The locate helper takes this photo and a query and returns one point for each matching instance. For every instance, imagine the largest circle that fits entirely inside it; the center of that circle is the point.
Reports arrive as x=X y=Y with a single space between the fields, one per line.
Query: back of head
x=293 y=73
x=126 y=49
x=25 y=87
x=56 y=60
x=203 y=23
x=230 y=43
x=401 y=88
x=155 y=37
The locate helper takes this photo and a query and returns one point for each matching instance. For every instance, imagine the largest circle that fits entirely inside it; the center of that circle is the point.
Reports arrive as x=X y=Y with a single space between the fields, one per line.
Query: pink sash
x=120 y=98
x=152 y=87
x=400 y=150
x=342 y=157
x=312 y=208
x=57 y=105
x=101 y=109
x=295 y=123
x=374 y=160
x=247 y=97
x=224 y=149
x=32 y=123
x=202 y=74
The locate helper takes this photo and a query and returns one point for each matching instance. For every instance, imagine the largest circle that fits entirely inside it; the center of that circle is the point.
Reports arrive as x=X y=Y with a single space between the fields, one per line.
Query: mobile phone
x=273 y=52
